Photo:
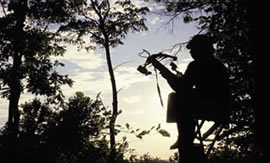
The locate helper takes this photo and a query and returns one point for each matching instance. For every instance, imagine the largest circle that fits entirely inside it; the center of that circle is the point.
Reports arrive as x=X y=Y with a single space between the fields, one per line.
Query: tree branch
x=122 y=64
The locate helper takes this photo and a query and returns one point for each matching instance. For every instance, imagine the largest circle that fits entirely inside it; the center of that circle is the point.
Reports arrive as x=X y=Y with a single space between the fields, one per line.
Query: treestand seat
x=218 y=130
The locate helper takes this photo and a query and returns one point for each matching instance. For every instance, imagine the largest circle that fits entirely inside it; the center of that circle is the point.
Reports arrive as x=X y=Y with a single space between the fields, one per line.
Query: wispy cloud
x=132 y=99
x=84 y=59
x=154 y=20
x=89 y=71
x=128 y=75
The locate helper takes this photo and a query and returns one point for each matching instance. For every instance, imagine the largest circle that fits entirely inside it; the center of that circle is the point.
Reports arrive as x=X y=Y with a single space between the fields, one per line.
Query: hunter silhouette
x=202 y=92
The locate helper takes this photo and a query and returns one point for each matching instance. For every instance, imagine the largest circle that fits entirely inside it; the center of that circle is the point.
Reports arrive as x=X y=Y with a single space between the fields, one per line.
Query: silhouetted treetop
x=103 y=22
x=26 y=46
x=73 y=131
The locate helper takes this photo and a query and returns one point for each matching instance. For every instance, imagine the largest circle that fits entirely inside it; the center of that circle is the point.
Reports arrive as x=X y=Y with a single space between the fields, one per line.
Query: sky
x=138 y=98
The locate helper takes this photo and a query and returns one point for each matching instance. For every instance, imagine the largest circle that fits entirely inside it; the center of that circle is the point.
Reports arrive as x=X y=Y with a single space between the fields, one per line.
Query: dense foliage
x=75 y=131
x=26 y=46
x=72 y=132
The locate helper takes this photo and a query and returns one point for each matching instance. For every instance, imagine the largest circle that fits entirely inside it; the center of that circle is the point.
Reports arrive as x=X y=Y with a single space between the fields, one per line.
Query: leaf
x=119 y=112
x=124 y=138
x=144 y=133
x=158 y=127
x=118 y=126
x=164 y=133
x=79 y=94
x=127 y=125
x=140 y=135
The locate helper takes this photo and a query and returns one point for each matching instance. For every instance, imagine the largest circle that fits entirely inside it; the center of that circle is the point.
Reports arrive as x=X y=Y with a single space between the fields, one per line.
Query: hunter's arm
x=171 y=78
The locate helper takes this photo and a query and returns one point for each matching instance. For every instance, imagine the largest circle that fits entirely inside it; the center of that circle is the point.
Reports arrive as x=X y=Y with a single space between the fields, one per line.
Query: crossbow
x=159 y=57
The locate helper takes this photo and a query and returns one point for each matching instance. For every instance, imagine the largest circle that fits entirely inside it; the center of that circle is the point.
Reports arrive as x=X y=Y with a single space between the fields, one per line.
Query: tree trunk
x=114 y=103
x=15 y=92
x=19 y=9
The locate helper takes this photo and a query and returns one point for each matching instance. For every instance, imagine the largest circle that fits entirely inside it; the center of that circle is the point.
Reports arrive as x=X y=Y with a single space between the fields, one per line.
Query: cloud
x=128 y=75
x=84 y=59
x=139 y=3
x=90 y=73
x=186 y=60
x=87 y=69
x=154 y=20
x=91 y=82
x=3 y=111
x=99 y=81
x=131 y=99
